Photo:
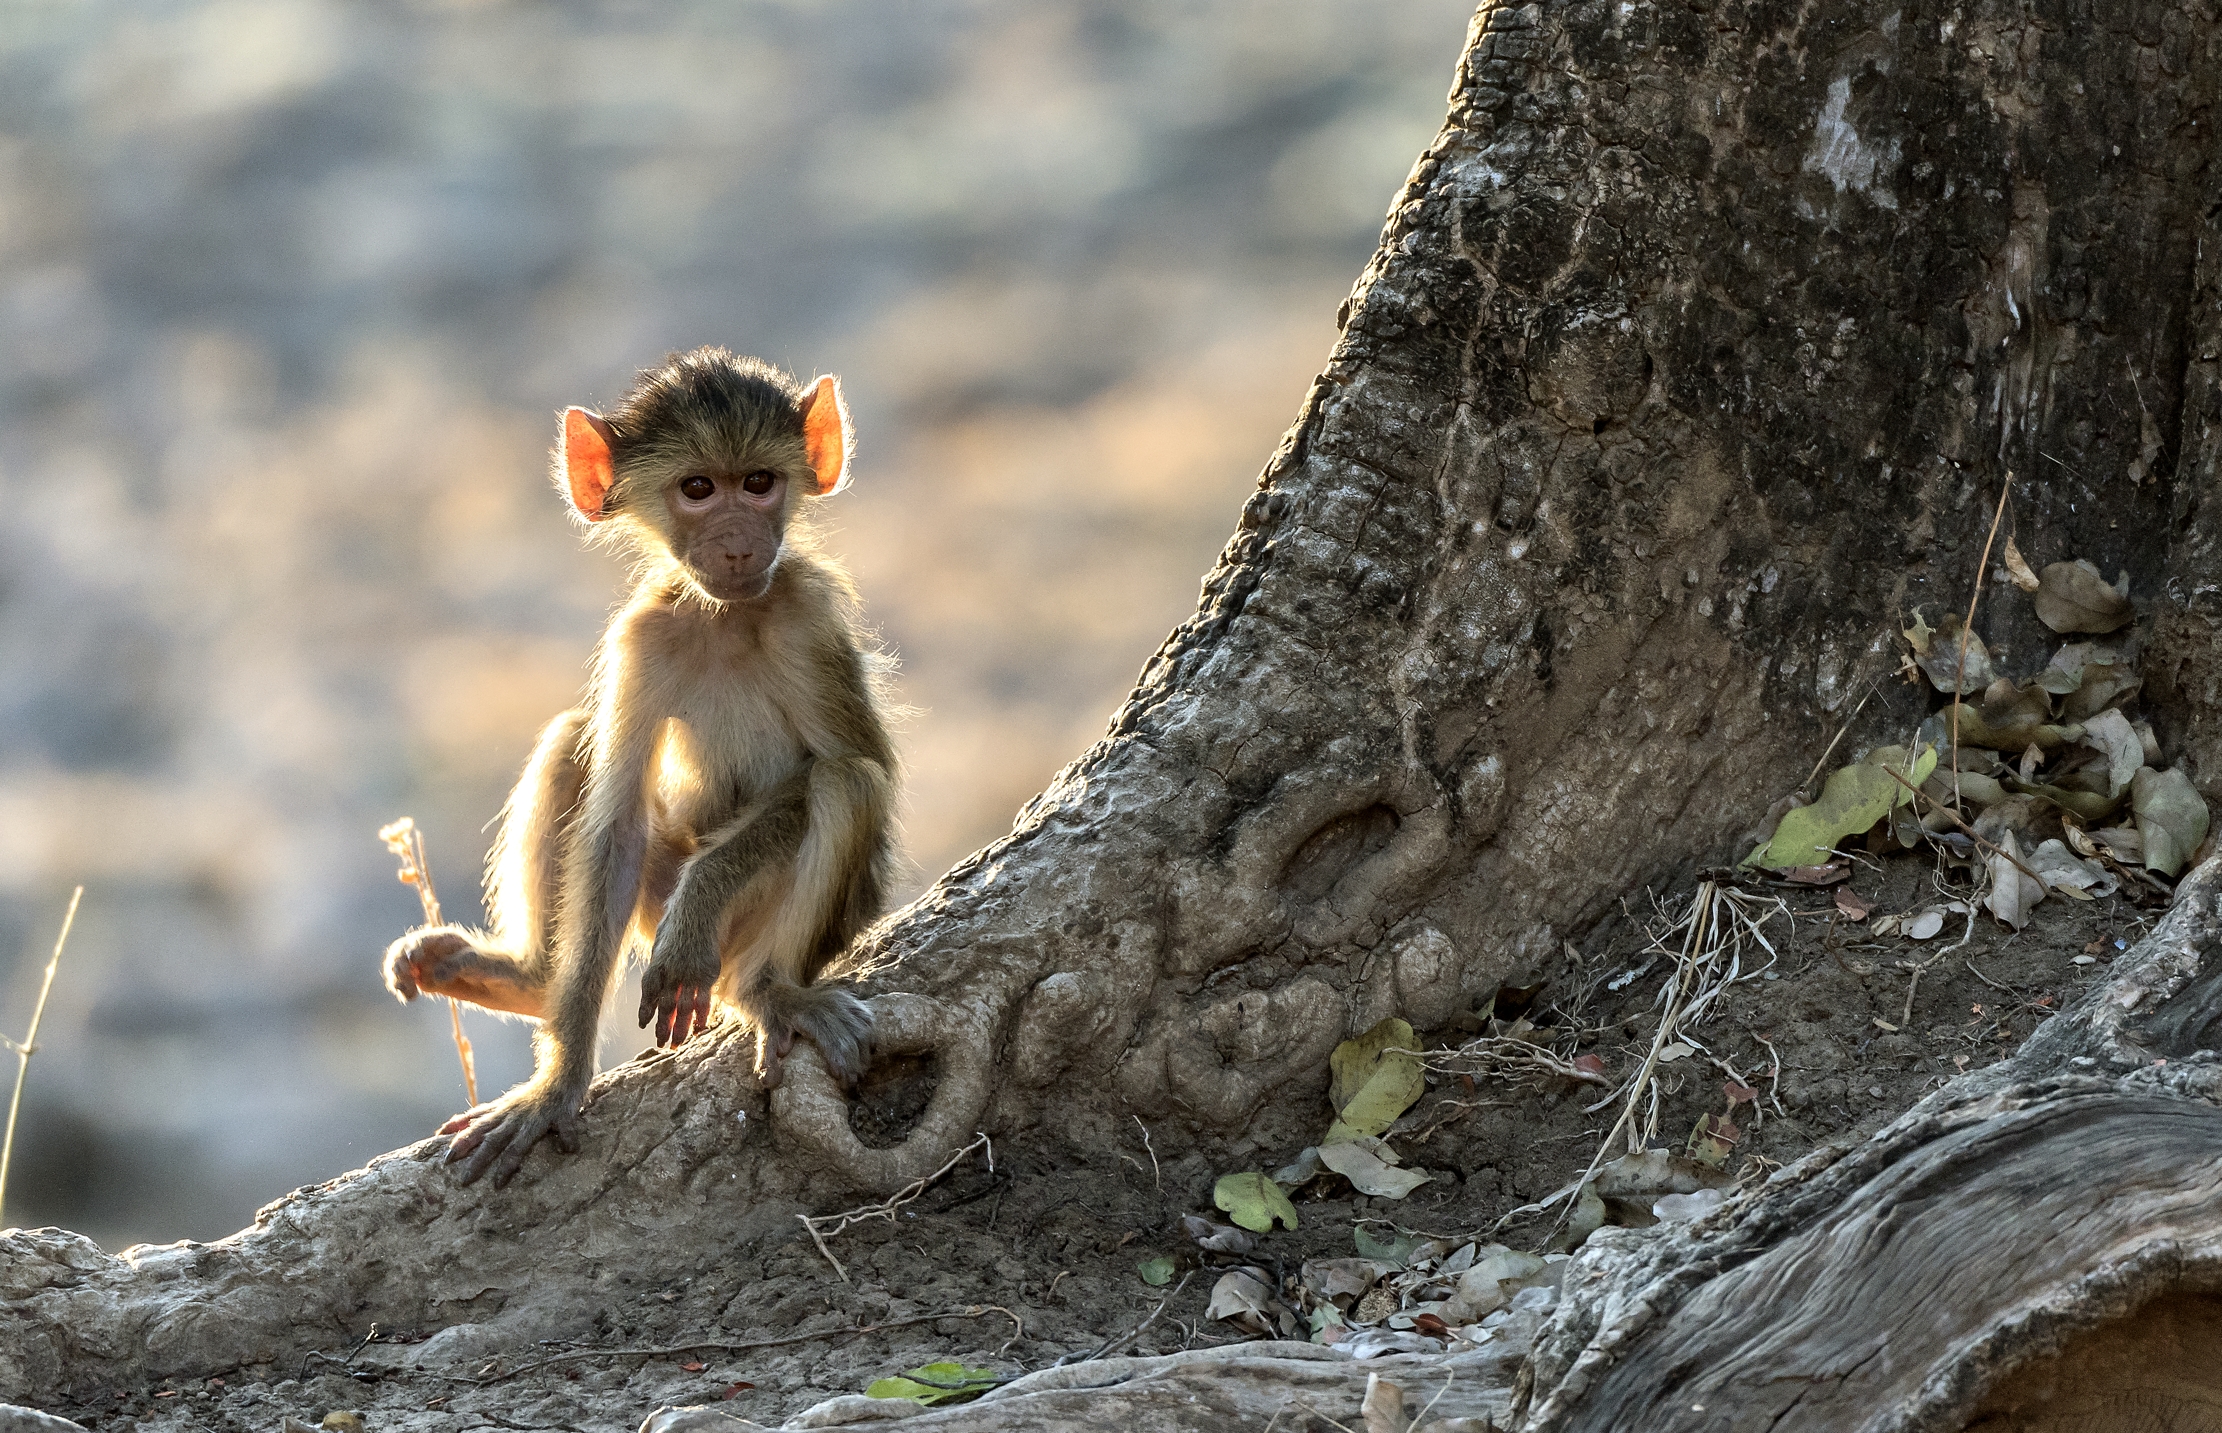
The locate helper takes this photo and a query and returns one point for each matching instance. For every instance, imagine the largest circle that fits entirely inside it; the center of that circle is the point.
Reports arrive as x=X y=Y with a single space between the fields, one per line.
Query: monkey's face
x=727 y=528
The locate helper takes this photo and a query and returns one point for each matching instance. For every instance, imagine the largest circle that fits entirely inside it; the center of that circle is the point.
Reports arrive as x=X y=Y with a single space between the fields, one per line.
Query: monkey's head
x=704 y=464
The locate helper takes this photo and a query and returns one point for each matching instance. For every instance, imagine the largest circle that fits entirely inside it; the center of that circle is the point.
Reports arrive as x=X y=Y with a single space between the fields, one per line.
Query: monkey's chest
x=720 y=752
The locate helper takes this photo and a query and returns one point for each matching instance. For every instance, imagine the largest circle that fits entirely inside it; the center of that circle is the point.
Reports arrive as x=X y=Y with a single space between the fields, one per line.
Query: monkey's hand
x=447 y=960
x=675 y=988
x=498 y=1135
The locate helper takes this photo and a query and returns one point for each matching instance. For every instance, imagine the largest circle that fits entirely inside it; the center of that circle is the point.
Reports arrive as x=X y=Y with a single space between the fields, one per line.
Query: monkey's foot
x=838 y=1023
x=498 y=1135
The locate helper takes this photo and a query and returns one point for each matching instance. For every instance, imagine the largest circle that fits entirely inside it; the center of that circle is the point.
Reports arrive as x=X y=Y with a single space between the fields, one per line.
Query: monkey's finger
x=465 y=1119
x=687 y=1021
x=701 y=1008
x=513 y=1155
x=566 y=1133
x=666 y=1010
x=500 y=1137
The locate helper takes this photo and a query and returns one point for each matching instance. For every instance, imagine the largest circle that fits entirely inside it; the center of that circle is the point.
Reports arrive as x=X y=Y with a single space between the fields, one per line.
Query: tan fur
x=724 y=798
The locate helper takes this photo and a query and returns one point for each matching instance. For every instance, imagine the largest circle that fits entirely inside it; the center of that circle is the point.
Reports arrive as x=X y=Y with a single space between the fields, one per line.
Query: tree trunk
x=1694 y=356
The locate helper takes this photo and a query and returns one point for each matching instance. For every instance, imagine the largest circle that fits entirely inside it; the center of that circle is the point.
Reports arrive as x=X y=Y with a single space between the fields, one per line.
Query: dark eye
x=758 y=483
x=697 y=487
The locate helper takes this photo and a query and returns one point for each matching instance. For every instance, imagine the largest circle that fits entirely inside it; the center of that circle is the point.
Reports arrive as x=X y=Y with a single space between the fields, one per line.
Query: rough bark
x=1695 y=351
x=1943 y=1272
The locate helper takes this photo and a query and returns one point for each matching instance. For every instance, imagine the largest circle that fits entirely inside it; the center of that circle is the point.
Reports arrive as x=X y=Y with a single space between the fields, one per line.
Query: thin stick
x=1959 y=675
x=1965 y=829
x=1155 y=1172
x=29 y=1047
x=1120 y=1340
x=407 y=843
x=1830 y=749
x=974 y=1311
x=886 y=1208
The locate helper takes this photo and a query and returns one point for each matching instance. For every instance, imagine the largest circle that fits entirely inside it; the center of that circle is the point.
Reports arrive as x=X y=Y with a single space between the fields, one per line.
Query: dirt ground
x=1054 y=1251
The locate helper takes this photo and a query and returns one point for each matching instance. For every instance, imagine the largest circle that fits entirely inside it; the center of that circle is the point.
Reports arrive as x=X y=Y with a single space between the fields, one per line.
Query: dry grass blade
x=407 y=843
x=29 y=1047
x=1717 y=929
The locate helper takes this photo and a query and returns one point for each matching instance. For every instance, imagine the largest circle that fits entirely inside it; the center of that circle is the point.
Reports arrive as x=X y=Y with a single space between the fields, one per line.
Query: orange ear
x=826 y=435
x=586 y=461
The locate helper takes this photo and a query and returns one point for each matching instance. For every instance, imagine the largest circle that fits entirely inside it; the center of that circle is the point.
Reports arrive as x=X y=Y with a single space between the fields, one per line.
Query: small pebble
x=1876 y=1091
x=2085 y=960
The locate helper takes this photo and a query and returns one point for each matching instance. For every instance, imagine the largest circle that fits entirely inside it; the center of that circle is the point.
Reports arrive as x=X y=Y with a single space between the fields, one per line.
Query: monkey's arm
x=825 y=830
x=601 y=865
x=684 y=966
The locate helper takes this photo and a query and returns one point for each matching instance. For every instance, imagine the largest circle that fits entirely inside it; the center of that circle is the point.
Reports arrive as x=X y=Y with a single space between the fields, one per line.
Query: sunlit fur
x=722 y=802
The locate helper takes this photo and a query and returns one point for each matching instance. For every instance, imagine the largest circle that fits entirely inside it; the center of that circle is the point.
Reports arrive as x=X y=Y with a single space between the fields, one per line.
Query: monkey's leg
x=685 y=963
x=604 y=845
x=840 y=873
x=506 y=969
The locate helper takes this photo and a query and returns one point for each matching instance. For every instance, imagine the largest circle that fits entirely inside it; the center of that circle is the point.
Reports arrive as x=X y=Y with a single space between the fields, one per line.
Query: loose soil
x=1054 y=1250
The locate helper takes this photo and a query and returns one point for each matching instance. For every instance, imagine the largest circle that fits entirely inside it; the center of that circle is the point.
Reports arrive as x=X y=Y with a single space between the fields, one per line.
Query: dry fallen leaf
x=1827 y=875
x=2073 y=597
x=2017 y=567
x=2012 y=894
x=1851 y=904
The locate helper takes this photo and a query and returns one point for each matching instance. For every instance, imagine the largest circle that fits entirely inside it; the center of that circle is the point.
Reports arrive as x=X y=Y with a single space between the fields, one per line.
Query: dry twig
x=1965 y=829
x=1121 y=1340
x=29 y=1047
x=407 y=843
x=1959 y=674
x=887 y=1207
x=1513 y=1060
x=972 y=1311
x=1155 y=1172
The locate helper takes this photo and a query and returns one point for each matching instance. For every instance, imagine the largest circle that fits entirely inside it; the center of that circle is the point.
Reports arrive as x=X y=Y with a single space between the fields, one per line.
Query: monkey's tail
x=829 y=1016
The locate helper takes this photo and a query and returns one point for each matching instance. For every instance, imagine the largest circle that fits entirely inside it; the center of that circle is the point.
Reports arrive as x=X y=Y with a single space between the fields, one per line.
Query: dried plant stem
x=29 y=1047
x=1959 y=673
x=407 y=843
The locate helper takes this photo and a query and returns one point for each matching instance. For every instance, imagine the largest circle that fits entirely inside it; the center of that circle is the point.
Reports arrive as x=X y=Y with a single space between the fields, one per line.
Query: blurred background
x=290 y=291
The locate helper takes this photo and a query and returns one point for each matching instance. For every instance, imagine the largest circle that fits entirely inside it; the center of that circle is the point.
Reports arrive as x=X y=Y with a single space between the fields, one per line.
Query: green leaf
x=1394 y=1247
x=2171 y=817
x=1377 y=1077
x=1157 y=1272
x=935 y=1383
x=1253 y=1201
x=1854 y=799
